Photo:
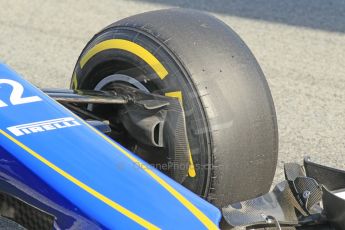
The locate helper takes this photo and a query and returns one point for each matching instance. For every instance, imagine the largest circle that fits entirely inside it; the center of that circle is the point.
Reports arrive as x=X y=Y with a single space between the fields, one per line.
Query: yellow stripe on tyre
x=129 y=46
x=145 y=55
x=191 y=169
x=161 y=71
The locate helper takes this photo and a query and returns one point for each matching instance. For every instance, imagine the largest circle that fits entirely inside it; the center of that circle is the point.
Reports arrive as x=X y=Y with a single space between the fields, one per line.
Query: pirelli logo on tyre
x=43 y=126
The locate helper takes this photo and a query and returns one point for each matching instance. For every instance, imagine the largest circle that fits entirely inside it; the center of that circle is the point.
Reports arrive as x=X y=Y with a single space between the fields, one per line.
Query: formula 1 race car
x=168 y=120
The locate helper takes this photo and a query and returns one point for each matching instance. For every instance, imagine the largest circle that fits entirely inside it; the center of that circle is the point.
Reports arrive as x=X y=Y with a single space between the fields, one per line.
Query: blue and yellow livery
x=54 y=161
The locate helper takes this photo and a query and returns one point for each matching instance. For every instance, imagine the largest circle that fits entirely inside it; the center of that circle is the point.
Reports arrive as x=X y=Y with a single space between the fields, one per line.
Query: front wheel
x=230 y=116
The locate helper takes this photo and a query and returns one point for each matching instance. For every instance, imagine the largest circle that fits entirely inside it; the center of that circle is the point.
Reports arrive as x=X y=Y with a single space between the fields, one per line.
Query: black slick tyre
x=230 y=115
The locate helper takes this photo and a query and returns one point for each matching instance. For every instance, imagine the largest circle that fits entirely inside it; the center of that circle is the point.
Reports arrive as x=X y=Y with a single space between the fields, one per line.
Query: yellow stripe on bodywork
x=191 y=169
x=131 y=47
x=194 y=210
x=114 y=205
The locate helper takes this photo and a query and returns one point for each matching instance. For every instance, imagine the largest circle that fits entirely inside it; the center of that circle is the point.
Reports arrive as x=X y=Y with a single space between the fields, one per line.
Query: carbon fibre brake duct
x=151 y=119
x=311 y=197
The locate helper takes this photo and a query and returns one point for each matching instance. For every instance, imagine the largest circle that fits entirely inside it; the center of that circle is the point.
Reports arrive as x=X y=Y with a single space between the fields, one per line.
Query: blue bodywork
x=54 y=161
